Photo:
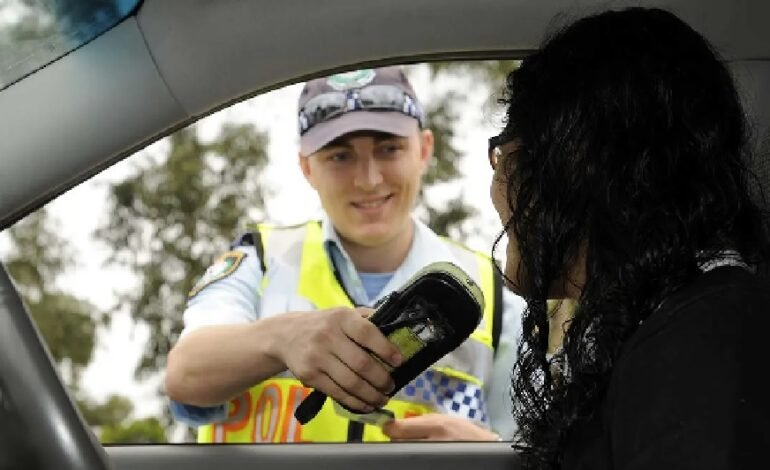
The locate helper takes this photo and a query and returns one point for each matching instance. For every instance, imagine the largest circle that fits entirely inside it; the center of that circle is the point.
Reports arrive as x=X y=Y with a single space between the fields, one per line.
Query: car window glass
x=34 y=33
x=106 y=268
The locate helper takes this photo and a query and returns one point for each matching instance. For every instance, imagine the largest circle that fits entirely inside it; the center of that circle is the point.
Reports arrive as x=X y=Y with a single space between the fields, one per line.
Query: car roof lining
x=179 y=61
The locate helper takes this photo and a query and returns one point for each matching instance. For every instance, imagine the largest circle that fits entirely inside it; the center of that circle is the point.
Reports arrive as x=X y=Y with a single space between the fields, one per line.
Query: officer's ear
x=304 y=165
x=426 y=148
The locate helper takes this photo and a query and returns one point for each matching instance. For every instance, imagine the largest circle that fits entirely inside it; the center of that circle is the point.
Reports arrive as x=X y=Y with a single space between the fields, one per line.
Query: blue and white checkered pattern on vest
x=457 y=397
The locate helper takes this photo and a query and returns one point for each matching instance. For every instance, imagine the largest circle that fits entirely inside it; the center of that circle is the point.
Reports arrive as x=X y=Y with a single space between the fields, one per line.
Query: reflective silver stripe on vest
x=284 y=375
x=472 y=358
x=469 y=261
x=241 y=404
x=284 y=243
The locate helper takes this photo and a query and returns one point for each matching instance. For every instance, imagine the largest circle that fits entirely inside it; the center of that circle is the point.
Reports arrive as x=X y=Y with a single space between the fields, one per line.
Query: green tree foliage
x=142 y=431
x=115 y=409
x=68 y=324
x=442 y=114
x=112 y=419
x=174 y=215
x=444 y=218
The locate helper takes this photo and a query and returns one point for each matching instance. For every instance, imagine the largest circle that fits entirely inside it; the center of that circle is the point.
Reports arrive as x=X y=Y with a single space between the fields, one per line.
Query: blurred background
x=105 y=269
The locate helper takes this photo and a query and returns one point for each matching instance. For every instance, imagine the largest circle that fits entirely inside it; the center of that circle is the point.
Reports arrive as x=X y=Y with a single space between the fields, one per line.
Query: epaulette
x=252 y=238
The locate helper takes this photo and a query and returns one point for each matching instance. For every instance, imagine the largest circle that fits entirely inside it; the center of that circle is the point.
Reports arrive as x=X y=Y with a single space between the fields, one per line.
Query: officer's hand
x=324 y=349
x=436 y=427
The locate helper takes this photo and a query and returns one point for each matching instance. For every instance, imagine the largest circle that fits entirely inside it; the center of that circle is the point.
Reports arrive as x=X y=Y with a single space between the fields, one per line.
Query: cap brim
x=391 y=122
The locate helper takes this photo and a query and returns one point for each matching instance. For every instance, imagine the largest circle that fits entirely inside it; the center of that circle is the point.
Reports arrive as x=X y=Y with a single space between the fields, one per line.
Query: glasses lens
x=324 y=106
x=375 y=97
x=382 y=97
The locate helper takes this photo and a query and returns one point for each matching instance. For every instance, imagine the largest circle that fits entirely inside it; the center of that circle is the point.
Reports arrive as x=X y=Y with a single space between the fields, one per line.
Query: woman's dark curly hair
x=632 y=152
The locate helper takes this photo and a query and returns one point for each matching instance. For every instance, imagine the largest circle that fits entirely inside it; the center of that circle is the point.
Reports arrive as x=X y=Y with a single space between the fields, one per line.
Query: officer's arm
x=224 y=349
x=213 y=364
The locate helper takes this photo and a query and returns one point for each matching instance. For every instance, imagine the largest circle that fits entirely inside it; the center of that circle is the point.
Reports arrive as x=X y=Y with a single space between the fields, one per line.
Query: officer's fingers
x=368 y=336
x=364 y=365
x=438 y=427
x=409 y=429
x=325 y=384
x=355 y=385
x=320 y=331
x=365 y=312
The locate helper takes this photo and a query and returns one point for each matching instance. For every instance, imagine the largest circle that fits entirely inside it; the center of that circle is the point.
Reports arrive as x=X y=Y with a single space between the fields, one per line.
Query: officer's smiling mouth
x=372 y=203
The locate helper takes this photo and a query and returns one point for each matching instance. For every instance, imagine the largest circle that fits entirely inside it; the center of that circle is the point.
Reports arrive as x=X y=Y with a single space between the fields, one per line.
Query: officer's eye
x=390 y=148
x=340 y=156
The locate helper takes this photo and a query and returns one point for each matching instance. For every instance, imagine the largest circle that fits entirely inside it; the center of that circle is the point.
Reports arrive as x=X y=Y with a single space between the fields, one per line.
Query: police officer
x=285 y=310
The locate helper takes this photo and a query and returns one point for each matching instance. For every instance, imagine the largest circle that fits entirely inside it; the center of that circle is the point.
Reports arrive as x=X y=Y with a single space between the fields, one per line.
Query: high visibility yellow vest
x=265 y=413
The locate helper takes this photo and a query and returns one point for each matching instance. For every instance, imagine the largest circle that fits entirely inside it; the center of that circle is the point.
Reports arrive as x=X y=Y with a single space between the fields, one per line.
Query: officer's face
x=368 y=183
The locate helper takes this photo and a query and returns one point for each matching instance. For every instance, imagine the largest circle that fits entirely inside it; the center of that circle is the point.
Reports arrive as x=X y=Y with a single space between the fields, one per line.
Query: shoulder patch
x=225 y=265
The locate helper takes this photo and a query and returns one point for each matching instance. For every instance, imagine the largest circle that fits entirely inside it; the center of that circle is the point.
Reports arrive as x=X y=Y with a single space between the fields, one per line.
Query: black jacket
x=690 y=388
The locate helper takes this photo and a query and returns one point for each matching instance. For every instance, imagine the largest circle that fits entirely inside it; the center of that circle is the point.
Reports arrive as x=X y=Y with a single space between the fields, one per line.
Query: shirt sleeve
x=229 y=300
x=197 y=415
x=499 y=391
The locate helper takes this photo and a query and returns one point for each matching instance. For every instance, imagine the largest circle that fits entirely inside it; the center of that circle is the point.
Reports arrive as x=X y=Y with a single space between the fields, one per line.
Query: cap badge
x=348 y=80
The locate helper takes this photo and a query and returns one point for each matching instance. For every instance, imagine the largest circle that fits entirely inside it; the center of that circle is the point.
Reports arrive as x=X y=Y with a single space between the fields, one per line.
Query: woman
x=621 y=180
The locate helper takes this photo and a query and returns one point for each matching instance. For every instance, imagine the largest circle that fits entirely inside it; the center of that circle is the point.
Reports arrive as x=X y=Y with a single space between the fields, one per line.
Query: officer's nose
x=368 y=173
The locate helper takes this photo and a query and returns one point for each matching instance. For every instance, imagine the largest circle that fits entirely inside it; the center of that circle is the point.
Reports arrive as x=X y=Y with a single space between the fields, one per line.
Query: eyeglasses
x=371 y=98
